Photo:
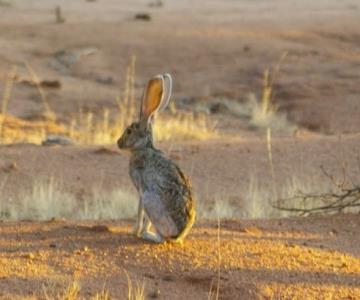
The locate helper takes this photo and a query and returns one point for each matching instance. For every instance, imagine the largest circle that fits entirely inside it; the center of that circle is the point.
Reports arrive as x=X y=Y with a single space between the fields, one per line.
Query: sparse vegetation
x=47 y=199
x=70 y=292
x=258 y=112
x=135 y=291
x=103 y=295
x=73 y=290
x=343 y=196
x=265 y=113
x=220 y=208
x=86 y=128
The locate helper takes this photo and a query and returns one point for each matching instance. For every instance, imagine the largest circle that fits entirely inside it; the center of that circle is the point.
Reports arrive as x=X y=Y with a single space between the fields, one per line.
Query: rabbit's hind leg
x=138 y=229
x=147 y=223
x=150 y=236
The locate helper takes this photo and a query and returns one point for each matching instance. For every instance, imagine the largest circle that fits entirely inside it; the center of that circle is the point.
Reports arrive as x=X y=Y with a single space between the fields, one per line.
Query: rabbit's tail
x=185 y=231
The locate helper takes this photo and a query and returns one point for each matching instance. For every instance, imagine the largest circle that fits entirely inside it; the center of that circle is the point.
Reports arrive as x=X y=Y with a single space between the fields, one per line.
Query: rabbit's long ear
x=156 y=96
x=167 y=92
x=151 y=100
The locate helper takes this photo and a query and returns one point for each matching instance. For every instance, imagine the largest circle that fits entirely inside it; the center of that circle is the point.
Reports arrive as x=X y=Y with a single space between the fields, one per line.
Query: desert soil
x=315 y=258
x=215 y=50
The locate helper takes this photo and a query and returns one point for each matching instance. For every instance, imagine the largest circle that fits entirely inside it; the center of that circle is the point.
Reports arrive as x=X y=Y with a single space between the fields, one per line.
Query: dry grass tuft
x=184 y=126
x=221 y=208
x=15 y=130
x=48 y=114
x=103 y=295
x=265 y=113
x=261 y=196
x=71 y=292
x=86 y=129
x=48 y=199
x=135 y=291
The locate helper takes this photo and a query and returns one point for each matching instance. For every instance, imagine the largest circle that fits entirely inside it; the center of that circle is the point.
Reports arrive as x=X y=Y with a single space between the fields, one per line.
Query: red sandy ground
x=315 y=258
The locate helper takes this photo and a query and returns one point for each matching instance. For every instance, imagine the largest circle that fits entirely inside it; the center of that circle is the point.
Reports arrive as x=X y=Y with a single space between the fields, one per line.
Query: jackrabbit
x=165 y=193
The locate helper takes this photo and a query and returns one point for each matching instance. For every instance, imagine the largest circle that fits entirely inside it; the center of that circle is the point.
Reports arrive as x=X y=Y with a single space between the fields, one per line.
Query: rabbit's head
x=156 y=97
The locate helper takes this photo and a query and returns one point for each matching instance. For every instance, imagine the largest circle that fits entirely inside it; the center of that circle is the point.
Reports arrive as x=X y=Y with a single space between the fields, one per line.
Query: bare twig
x=8 y=88
x=58 y=15
x=6 y=96
x=347 y=196
x=215 y=294
x=219 y=260
x=337 y=201
x=270 y=156
x=49 y=114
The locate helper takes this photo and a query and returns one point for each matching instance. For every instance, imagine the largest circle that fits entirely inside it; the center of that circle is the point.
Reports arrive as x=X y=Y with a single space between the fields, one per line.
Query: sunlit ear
x=167 y=92
x=152 y=97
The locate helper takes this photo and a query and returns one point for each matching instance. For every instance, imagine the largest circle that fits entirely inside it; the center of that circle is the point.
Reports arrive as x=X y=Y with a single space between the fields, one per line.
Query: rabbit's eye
x=128 y=131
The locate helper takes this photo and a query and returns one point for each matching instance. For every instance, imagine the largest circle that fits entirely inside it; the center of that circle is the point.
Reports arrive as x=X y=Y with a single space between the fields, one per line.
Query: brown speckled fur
x=164 y=190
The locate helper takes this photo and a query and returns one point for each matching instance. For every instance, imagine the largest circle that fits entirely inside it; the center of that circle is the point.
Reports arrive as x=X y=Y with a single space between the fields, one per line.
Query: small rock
x=156 y=3
x=30 y=256
x=155 y=294
x=47 y=83
x=143 y=17
x=105 y=80
x=57 y=140
x=100 y=228
x=148 y=275
x=219 y=107
x=105 y=150
x=56 y=220
x=168 y=277
x=12 y=166
x=246 y=48
x=333 y=232
x=68 y=58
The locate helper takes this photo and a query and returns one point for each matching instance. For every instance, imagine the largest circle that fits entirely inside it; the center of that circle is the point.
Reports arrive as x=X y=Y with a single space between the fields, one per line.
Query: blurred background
x=77 y=68
x=266 y=93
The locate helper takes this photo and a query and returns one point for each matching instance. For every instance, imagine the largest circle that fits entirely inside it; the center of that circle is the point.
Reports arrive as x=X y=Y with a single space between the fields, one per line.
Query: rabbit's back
x=166 y=192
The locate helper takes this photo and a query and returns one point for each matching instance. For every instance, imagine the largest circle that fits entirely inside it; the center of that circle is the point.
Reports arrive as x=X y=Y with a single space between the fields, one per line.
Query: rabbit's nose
x=120 y=143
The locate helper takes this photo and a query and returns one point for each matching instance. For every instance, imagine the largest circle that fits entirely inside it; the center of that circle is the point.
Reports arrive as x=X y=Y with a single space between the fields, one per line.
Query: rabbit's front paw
x=136 y=231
